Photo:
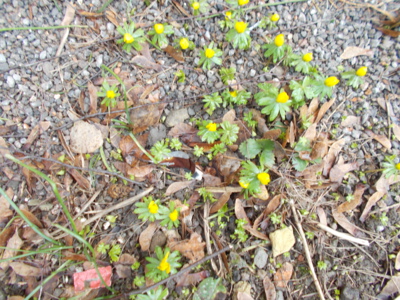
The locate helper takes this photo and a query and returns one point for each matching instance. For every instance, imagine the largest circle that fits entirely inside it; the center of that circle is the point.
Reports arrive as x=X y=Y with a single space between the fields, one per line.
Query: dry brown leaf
x=193 y=249
x=352 y=51
x=82 y=181
x=263 y=195
x=130 y=148
x=330 y=158
x=5 y=235
x=191 y=279
x=347 y=206
x=383 y=184
x=126 y=259
x=26 y=270
x=389 y=32
x=338 y=171
x=111 y=16
x=13 y=245
x=391 y=288
x=311 y=132
x=68 y=18
x=182 y=129
x=240 y=212
x=322 y=216
x=146 y=236
x=89 y=14
x=31 y=217
x=220 y=203
x=141 y=171
x=283 y=275
x=350 y=121
x=396 y=131
x=380 y=138
x=147 y=115
x=5 y=211
x=174 y=53
x=177 y=186
x=269 y=288
x=181 y=9
x=312 y=108
x=272 y=134
x=291 y=134
x=92 y=97
x=36 y=131
x=227 y=165
x=85 y=138
x=17 y=298
x=261 y=126
x=123 y=271
x=397 y=262
x=210 y=180
x=371 y=202
x=145 y=51
x=242 y=291
x=346 y=224
x=324 y=108
x=143 y=62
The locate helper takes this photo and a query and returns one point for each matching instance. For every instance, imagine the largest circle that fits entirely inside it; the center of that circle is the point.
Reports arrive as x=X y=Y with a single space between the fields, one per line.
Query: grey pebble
x=43 y=54
x=260 y=258
x=176 y=117
x=10 y=81
x=2 y=58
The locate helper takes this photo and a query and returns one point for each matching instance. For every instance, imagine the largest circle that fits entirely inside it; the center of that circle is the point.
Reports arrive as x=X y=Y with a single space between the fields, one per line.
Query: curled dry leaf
x=146 y=236
x=352 y=51
x=350 y=205
x=220 y=203
x=371 y=202
x=144 y=62
x=83 y=182
x=324 y=108
x=269 y=288
x=346 y=224
x=174 y=53
x=182 y=129
x=272 y=134
x=330 y=158
x=31 y=217
x=338 y=171
x=380 y=138
x=241 y=214
x=85 y=138
x=177 y=186
x=26 y=270
x=261 y=126
x=230 y=116
x=283 y=275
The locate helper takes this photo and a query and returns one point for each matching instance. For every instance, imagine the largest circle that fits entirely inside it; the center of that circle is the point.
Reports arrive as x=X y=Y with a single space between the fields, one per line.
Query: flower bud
x=275 y=18
x=159 y=28
x=128 y=38
x=184 y=43
x=362 y=71
x=264 y=178
x=331 y=81
x=212 y=127
x=308 y=57
x=279 y=40
x=240 y=27
x=209 y=53
x=282 y=97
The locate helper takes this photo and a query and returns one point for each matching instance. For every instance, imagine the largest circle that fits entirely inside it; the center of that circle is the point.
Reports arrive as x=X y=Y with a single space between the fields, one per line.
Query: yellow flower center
x=228 y=15
x=159 y=28
x=398 y=166
x=331 y=81
x=308 y=57
x=275 y=18
x=196 y=5
x=128 y=38
x=184 y=43
x=264 y=178
x=243 y=2
x=233 y=94
x=174 y=215
x=240 y=27
x=110 y=94
x=164 y=265
x=362 y=71
x=212 y=127
x=209 y=53
x=152 y=207
x=279 y=40
x=282 y=97
x=244 y=185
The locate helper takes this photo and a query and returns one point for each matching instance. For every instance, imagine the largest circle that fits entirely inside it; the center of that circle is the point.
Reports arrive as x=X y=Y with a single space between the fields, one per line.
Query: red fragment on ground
x=90 y=279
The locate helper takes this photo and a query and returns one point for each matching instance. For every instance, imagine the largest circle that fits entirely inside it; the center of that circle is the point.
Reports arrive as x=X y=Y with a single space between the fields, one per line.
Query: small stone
x=260 y=258
x=46 y=85
x=177 y=116
x=252 y=73
x=10 y=81
x=43 y=54
x=349 y=293
x=2 y=58
x=282 y=240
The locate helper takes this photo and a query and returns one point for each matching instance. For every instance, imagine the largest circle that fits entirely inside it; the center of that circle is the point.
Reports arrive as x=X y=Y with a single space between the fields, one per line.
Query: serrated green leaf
x=250 y=148
x=299 y=164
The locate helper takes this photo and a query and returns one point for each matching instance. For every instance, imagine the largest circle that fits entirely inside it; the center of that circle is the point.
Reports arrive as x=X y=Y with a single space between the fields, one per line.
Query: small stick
x=308 y=255
x=343 y=236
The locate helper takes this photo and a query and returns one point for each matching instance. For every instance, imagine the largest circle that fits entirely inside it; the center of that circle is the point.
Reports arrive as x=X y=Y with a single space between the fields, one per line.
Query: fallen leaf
x=283 y=275
x=241 y=214
x=130 y=148
x=396 y=131
x=182 y=129
x=92 y=97
x=322 y=216
x=26 y=270
x=36 y=131
x=324 y=108
x=227 y=165
x=380 y=138
x=397 y=262
x=181 y=9
x=261 y=126
x=174 y=53
x=350 y=121
x=311 y=132
x=350 y=205
x=209 y=180
x=179 y=159
x=123 y=271
x=392 y=287
x=177 y=186
x=13 y=245
x=242 y=291
x=90 y=279
x=338 y=171
x=192 y=249
x=389 y=32
x=269 y=288
x=282 y=240
x=5 y=211
x=220 y=203
x=5 y=235
x=141 y=171
x=118 y=190
x=31 y=217
x=346 y=224
x=330 y=158
x=82 y=181
x=191 y=279
x=111 y=16
x=85 y=138
x=272 y=134
x=147 y=114
x=143 y=62
x=68 y=18
x=371 y=202
x=352 y=51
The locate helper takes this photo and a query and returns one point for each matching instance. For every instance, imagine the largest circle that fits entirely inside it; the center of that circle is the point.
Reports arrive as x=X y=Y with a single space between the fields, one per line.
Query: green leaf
x=208 y=289
x=114 y=252
x=299 y=164
x=250 y=148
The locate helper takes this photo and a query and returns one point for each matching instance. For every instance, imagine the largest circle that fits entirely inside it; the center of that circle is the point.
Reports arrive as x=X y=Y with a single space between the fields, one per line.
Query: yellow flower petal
x=152 y=207
x=209 y=53
x=128 y=38
x=279 y=40
x=233 y=94
x=243 y=2
x=264 y=178
x=184 y=43
x=275 y=18
x=164 y=264
x=331 y=81
x=308 y=57
x=174 y=215
x=212 y=127
x=196 y=5
x=240 y=27
x=362 y=71
x=228 y=15
x=159 y=28
x=282 y=97
x=110 y=94
x=244 y=185
x=398 y=166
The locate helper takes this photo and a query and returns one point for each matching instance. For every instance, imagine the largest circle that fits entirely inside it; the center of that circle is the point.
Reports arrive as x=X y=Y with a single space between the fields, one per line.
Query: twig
x=43 y=28
x=308 y=255
x=343 y=236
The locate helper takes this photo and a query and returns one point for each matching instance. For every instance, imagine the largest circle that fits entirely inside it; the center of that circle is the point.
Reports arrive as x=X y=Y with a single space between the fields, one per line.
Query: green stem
x=43 y=28
x=47 y=250
x=141 y=147
x=154 y=45
x=52 y=184
x=104 y=6
x=103 y=158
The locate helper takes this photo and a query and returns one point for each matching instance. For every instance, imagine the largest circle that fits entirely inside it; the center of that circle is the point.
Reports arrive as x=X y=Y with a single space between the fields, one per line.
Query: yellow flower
x=308 y=57
x=398 y=166
x=128 y=38
x=275 y=18
x=282 y=97
x=244 y=185
x=164 y=265
x=233 y=94
x=209 y=53
x=159 y=28
x=264 y=178
x=331 y=81
x=212 y=127
x=196 y=5
x=240 y=27
x=362 y=71
x=184 y=43
x=174 y=215
x=228 y=15
x=279 y=40
x=243 y=2
x=152 y=207
x=110 y=94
